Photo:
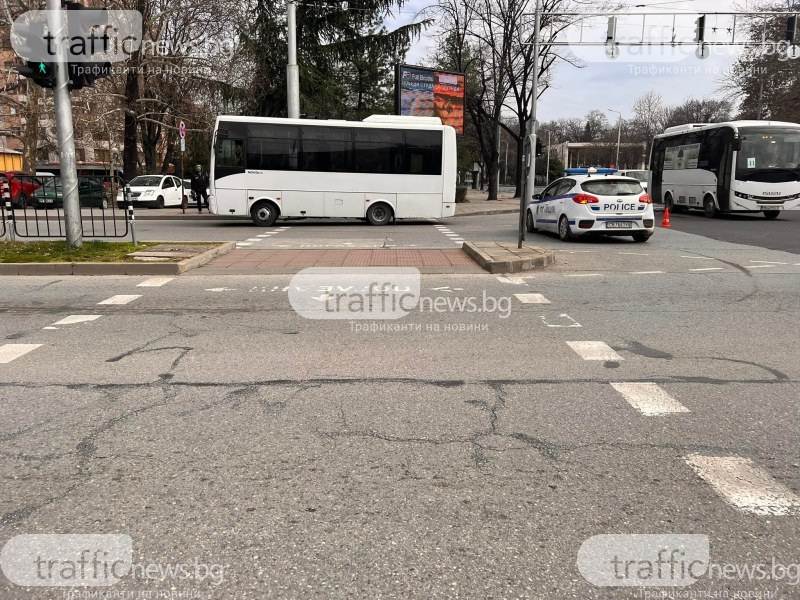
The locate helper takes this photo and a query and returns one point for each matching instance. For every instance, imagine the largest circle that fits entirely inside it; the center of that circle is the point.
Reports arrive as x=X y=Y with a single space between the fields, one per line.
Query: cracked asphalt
x=466 y=456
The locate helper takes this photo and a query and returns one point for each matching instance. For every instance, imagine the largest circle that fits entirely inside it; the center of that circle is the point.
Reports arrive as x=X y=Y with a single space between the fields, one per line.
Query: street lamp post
x=292 y=70
x=619 y=135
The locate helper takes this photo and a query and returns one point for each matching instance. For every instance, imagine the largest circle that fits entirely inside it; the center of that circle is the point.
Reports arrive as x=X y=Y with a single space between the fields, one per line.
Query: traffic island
x=497 y=257
x=106 y=258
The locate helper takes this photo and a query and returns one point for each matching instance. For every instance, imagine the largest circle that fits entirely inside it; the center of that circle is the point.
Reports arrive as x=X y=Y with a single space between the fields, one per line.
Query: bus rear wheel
x=771 y=214
x=264 y=214
x=708 y=207
x=379 y=214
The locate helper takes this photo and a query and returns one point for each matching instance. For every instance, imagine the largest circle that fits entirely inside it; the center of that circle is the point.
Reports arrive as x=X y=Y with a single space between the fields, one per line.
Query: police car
x=597 y=202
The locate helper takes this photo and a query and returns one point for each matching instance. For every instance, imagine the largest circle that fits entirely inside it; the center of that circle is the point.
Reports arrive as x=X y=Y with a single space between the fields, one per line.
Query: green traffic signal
x=42 y=69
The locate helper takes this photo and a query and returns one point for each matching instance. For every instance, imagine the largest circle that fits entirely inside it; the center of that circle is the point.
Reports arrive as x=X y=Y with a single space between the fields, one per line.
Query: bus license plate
x=619 y=225
x=770 y=206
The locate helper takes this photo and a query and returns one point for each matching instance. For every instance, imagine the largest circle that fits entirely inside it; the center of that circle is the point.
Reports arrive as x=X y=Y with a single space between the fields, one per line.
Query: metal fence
x=41 y=214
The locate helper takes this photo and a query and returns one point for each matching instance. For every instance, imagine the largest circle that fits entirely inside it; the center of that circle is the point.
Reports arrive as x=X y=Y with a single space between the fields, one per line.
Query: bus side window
x=230 y=153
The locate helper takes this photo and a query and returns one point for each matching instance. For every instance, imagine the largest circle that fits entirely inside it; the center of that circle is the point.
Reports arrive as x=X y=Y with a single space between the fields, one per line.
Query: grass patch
x=49 y=252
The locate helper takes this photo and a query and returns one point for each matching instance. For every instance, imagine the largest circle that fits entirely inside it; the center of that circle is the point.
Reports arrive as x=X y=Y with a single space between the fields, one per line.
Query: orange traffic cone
x=665 y=222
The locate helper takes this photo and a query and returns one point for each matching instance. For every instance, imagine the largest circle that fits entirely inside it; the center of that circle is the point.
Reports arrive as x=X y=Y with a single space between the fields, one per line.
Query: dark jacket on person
x=199 y=182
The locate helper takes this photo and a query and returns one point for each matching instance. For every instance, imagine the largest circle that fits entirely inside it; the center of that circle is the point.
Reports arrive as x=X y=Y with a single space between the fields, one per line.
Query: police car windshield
x=612 y=187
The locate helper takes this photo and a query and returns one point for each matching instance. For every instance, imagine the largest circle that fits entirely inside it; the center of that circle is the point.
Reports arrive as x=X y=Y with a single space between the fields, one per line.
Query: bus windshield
x=768 y=149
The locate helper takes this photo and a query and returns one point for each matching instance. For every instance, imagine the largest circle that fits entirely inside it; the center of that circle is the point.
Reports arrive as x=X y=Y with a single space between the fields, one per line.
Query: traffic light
x=791 y=29
x=30 y=44
x=87 y=41
x=42 y=74
x=539 y=148
x=700 y=30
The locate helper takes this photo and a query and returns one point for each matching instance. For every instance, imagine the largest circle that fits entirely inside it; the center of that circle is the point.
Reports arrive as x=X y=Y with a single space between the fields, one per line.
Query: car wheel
x=22 y=200
x=708 y=207
x=641 y=237
x=160 y=202
x=771 y=214
x=530 y=224
x=379 y=214
x=564 y=232
x=264 y=214
x=104 y=204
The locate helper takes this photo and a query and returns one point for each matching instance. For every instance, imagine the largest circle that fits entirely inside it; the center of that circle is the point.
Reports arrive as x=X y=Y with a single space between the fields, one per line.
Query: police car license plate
x=619 y=225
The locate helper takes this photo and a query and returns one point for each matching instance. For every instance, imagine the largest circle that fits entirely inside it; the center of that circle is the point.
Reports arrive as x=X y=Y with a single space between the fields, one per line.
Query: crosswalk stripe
x=744 y=485
x=155 y=281
x=121 y=299
x=594 y=351
x=73 y=319
x=532 y=298
x=9 y=352
x=649 y=399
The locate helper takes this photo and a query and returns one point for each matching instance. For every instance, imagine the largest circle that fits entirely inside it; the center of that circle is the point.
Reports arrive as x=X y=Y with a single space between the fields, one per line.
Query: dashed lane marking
x=700 y=257
x=744 y=485
x=532 y=298
x=759 y=266
x=9 y=352
x=594 y=351
x=583 y=275
x=649 y=399
x=155 y=281
x=73 y=319
x=243 y=244
x=769 y=262
x=253 y=240
x=647 y=272
x=512 y=280
x=121 y=299
x=707 y=269
x=635 y=253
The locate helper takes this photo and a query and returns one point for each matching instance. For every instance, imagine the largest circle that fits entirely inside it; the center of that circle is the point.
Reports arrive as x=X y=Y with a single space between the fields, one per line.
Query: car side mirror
x=537 y=196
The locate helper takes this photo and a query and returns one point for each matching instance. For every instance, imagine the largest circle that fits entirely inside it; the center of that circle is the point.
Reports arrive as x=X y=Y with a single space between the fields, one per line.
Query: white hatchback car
x=154 y=191
x=598 y=204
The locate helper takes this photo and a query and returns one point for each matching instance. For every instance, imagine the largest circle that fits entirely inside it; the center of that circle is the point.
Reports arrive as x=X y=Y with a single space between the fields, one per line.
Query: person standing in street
x=200 y=187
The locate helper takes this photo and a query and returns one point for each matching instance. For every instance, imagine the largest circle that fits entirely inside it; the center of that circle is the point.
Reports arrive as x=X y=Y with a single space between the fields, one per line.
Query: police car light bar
x=590 y=171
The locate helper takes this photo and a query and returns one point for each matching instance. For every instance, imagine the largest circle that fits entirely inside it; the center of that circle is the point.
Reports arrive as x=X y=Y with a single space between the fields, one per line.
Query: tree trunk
x=130 y=137
x=520 y=168
x=30 y=140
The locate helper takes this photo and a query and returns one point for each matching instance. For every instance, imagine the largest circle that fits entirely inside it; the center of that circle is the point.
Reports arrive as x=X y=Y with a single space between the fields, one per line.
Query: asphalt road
x=467 y=454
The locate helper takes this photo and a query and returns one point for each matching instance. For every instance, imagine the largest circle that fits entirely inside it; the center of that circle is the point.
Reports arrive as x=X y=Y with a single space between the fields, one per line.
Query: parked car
x=90 y=191
x=639 y=175
x=153 y=191
x=22 y=186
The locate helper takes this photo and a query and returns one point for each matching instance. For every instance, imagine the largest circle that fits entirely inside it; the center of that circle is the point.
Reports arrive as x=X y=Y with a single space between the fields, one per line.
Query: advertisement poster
x=425 y=92
x=681 y=157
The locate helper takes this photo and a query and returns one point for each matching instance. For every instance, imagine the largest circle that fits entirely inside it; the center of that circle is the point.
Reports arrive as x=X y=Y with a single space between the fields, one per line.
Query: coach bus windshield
x=768 y=149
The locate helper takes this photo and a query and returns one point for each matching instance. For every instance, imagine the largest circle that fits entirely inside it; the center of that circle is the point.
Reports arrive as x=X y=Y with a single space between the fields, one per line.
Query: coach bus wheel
x=709 y=208
x=669 y=203
x=772 y=214
x=264 y=214
x=379 y=214
x=564 y=232
x=529 y=223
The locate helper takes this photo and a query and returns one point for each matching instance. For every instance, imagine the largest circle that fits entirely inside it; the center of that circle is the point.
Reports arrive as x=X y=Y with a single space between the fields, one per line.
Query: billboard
x=422 y=92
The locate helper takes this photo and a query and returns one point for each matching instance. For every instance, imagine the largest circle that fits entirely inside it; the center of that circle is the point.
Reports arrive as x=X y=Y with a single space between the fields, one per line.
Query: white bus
x=380 y=169
x=740 y=166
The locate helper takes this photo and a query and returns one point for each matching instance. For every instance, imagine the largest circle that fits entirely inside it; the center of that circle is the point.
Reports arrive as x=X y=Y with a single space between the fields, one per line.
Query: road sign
x=183 y=144
x=182 y=128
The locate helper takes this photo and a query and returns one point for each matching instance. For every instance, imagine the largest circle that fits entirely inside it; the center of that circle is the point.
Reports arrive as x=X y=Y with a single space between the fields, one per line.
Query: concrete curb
x=507 y=258
x=132 y=268
x=494 y=211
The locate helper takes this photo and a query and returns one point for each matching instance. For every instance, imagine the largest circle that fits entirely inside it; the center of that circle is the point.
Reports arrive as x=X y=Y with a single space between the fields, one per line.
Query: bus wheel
x=772 y=214
x=264 y=214
x=530 y=225
x=709 y=208
x=379 y=214
x=669 y=203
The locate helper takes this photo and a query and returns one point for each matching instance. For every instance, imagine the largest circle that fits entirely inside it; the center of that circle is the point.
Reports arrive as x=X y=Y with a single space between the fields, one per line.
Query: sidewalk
x=479 y=205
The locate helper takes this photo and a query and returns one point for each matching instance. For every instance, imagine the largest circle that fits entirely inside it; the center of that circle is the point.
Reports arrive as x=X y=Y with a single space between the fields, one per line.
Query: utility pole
x=549 y=143
x=505 y=166
x=66 y=140
x=292 y=70
x=619 y=135
x=529 y=181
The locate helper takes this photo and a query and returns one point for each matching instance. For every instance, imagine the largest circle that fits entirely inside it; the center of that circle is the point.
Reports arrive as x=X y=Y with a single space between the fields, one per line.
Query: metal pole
x=292 y=70
x=63 y=114
x=549 y=143
x=529 y=181
x=619 y=135
x=131 y=217
x=505 y=166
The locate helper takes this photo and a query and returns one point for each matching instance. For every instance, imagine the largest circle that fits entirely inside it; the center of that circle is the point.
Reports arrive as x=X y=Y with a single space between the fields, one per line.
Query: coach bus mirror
x=737 y=145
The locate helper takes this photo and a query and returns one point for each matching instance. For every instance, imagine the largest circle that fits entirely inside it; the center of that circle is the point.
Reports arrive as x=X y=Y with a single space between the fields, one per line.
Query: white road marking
x=531 y=298
x=243 y=244
x=155 y=281
x=572 y=322
x=583 y=275
x=221 y=289
x=9 y=352
x=744 y=485
x=452 y=235
x=707 y=269
x=649 y=399
x=647 y=272
x=262 y=235
x=769 y=262
x=759 y=266
x=73 y=319
x=121 y=299
x=512 y=280
x=700 y=257
x=635 y=253
x=594 y=351
x=253 y=240
x=48 y=327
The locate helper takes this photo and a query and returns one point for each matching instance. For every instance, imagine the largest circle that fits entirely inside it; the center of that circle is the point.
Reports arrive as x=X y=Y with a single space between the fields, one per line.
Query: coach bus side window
x=327 y=149
x=230 y=153
x=378 y=150
x=273 y=147
x=710 y=151
x=424 y=152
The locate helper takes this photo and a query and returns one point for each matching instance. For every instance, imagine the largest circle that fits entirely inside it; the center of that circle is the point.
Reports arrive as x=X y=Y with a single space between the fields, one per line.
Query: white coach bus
x=380 y=169
x=741 y=166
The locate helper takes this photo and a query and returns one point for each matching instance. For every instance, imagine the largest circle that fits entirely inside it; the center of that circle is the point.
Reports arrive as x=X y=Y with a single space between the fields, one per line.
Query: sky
x=605 y=84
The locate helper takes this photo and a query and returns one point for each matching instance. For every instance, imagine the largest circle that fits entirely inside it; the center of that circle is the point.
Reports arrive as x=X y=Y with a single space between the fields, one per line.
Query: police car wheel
x=530 y=225
x=564 y=232
x=641 y=238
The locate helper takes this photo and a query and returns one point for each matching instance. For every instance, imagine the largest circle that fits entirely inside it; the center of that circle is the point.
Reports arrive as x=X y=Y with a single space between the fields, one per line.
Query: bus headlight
x=743 y=196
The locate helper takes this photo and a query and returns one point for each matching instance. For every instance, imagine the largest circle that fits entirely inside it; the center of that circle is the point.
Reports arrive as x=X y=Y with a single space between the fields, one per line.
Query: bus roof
x=384 y=121
x=689 y=127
